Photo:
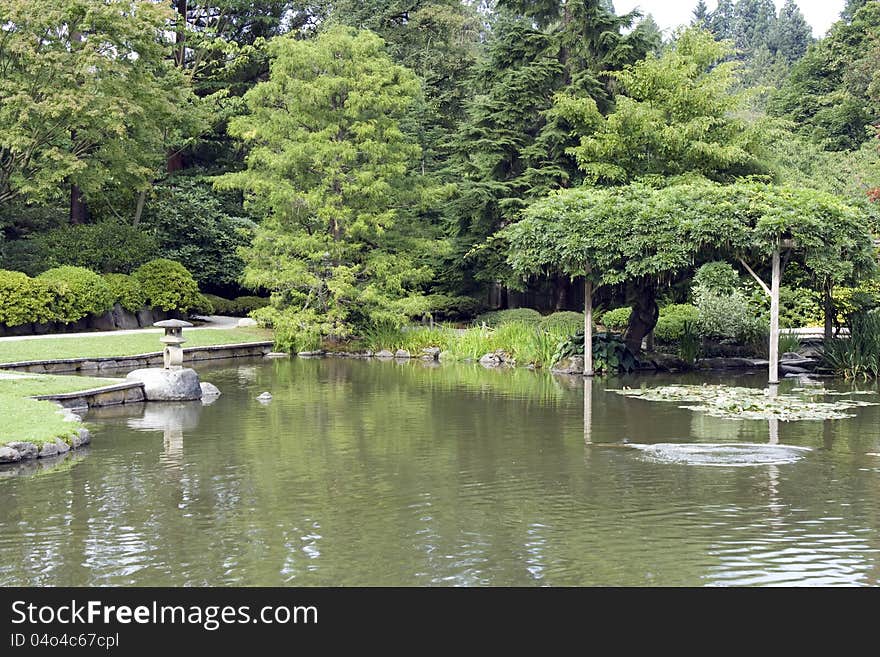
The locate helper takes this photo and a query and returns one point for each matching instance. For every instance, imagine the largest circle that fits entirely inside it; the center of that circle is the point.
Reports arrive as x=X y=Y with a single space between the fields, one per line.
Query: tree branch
x=756 y=277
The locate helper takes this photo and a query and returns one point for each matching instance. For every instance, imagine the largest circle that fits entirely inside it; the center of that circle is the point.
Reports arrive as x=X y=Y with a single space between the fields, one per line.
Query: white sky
x=669 y=14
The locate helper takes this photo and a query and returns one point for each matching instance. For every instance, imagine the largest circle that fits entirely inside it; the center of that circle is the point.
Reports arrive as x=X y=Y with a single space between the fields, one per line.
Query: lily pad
x=738 y=403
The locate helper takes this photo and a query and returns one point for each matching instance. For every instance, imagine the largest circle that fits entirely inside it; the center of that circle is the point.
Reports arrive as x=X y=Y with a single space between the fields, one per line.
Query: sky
x=669 y=14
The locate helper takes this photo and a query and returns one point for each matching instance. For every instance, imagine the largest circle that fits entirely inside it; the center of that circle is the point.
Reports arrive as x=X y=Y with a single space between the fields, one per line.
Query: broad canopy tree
x=88 y=96
x=643 y=233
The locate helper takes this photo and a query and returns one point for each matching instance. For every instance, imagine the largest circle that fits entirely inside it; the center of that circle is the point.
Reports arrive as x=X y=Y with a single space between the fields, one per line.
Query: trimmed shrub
x=105 y=246
x=727 y=316
x=168 y=285
x=716 y=277
x=565 y=321
x=126 y=291
x=447 y=307
x=617 y=319
x=24 y=299
x=79 y=293
x=245 y=305
x=673 y=321
x=501 y=317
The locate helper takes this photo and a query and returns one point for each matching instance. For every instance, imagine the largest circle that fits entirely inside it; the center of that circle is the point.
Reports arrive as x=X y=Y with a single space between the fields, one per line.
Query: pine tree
x=792 y=34
x=753 y=22
x=851 y=7
x=721 y=23
x=701 y=15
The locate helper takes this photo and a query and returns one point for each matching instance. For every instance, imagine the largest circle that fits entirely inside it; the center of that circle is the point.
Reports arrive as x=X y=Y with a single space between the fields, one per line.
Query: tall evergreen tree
x=512 y=147
x=851 y=7
x=792 y=34
x=753 y=22
x=700 y=16
x=721 y=23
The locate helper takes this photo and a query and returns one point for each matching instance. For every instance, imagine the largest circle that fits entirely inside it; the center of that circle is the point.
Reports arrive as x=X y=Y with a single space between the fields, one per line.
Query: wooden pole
x=588 y=411
x=774 y=319
x=588 y=324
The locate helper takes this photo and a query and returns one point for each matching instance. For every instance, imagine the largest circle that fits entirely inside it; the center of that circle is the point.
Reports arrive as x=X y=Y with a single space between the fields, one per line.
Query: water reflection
x=386 y=473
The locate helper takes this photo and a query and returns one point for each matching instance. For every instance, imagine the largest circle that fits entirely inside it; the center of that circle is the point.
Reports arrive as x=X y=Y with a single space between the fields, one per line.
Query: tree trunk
x=560 y=293
x=180 y=37
x=829 y=310
x=644 y=315
x=139 y=210
x=79 y=211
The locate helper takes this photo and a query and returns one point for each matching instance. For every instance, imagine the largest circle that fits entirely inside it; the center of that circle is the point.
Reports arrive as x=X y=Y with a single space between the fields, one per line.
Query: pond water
x=372 y=473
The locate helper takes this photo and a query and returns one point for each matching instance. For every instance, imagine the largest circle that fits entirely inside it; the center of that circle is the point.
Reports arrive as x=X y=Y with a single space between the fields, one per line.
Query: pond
x=384 y=473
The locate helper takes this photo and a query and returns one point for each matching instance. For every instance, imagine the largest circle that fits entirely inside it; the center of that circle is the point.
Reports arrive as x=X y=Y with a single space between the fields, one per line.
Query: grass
x=129 y=344
x=39 y=422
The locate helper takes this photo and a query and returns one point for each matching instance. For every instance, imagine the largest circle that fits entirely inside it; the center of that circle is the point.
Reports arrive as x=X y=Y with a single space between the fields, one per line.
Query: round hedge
x=564 y=320
x=673 y=320
x=24 y=299
x=168 y=285
x=126 y=291
x=617 y=319
x=78 y=293
x=500 y=317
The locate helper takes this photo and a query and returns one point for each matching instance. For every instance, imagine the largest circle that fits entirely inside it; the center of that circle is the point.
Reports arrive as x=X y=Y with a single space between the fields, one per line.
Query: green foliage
x=689 y=346
x=610 y=353
x=789 y=343
x=857 y=356
x=674 y=322
x=833 y=92
x=616 y=319
x=108 y=246
x=87 y=96
x=798 y=306
x=78 y=293
x=194 y=224
x=291 y=333
x=329 y=166
x=726 y=316
x=676 y=115
x=716 y=277
x=168 y=285
x=24 y=299
x=501 y=317
x=851 y=301
x=238 y=307
x=126 y=291
x=564 y=320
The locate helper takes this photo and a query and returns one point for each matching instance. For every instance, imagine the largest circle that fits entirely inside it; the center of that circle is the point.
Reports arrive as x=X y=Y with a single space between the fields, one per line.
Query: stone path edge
x=57 y=366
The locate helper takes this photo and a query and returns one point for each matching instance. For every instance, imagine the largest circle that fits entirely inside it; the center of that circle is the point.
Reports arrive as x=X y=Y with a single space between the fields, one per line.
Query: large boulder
x=168 y=385
x=123 y=319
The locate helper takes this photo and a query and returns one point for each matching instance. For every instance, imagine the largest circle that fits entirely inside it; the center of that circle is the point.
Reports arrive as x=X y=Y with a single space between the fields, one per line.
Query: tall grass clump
x=789 y=342
x=857 y=357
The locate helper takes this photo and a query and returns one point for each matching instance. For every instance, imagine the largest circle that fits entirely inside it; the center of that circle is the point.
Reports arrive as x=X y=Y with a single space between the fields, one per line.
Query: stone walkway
x=211 y=322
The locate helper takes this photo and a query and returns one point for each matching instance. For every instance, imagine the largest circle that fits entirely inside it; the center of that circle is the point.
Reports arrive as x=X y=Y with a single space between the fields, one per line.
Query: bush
x=727 y=316
x=859 y=355
x=716 y=277
x=501 y=317
x=106 y=246
x=446 y=307
x=673 y=320
x=238 y=307
x=126 y=291
x=24 y=299
x=566 y=321
x=168 y=285
x=610 y=353
x=617 y=319
x=78 y=293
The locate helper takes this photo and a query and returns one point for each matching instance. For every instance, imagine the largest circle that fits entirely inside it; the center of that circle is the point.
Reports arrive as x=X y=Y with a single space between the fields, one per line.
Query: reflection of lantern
x=173 y=338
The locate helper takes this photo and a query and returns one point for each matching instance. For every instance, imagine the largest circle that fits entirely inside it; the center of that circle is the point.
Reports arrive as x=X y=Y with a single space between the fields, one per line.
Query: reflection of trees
x=369 y=473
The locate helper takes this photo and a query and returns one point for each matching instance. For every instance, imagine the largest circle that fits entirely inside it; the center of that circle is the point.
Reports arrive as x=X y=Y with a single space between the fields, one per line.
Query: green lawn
x=29 y=420
x=129 y=344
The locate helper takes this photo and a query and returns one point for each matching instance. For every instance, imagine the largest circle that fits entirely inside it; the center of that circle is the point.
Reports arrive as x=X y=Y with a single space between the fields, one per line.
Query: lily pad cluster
x=738 y=403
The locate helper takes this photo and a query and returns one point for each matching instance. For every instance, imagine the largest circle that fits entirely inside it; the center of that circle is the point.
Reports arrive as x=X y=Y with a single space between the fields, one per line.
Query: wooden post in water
x=588 y=411
x=774 y=319
x=588 y=323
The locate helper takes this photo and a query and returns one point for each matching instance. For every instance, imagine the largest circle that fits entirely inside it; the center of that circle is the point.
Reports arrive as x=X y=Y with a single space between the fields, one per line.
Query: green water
x=368 y=473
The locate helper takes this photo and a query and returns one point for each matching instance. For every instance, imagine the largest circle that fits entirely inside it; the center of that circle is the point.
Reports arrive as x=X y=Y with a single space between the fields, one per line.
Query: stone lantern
x=173 y=339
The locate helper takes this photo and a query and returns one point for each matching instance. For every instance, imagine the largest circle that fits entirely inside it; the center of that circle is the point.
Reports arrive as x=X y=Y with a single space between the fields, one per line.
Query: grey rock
x=246 y=322
x=277 y=354
x=790 y=355
x=49 y=449
x=26 y=450
x=264 y=396
x=310 y=354
x=384 y=354
x=402 y=353
x=168 y=385
x=209 y=390
x=732 y=363
x=145 y=317
x=431 y=353
x=123 y=319
x=791 y=369
x=9 y=455
x=62 y=446
x=490 y=360
x=82 y=437
x=103 y=322
x=570 y=365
